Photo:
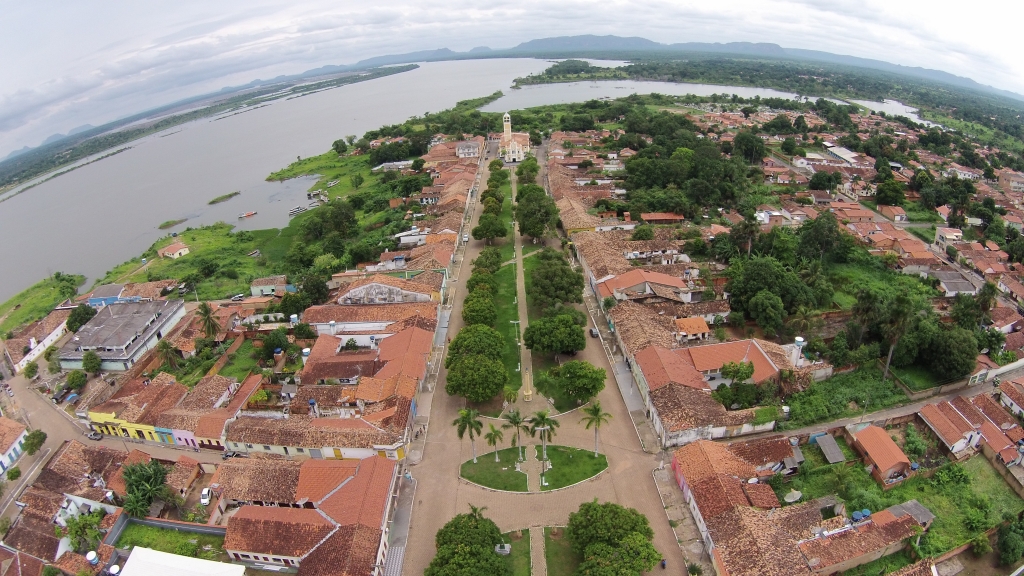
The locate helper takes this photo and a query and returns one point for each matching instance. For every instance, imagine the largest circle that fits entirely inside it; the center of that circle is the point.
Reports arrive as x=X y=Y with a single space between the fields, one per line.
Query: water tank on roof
x=312 y=402
x=305 y=352
x=294 y=318
x=857 y=516
x=92 y=557
x=866 y=512
x=277 y=350
x=114 y=570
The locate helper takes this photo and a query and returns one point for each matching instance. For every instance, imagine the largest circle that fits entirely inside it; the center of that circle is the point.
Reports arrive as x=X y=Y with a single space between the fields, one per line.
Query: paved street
x=441 y=494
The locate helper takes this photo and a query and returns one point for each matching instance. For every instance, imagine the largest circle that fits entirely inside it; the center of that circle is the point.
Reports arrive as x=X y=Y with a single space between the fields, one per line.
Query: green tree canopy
x=475 y=339
x=76 y=380
x=465 y=547
x=79 y=316
x=767 y=309
x=478 y=308
x=34 y=440
x=476 y=378
x=489 y=260
x=890 y=193
x=490 y=227
x=91 y=362
x=555 y=335
x=607 y=524
x=738 y=372
x=579 y=379
x=645 y=232
x=749 y=146
x=553 y=281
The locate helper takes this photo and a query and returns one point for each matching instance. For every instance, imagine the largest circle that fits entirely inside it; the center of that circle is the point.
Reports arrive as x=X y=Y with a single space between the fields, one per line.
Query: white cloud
x=93 y=61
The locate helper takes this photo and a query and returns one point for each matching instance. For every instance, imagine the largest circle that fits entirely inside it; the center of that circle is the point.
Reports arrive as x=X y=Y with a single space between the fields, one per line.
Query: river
x=91 y=219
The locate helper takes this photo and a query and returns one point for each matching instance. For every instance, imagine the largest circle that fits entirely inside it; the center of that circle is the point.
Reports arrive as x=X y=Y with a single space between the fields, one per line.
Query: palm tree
x=167 y=353
x=593 y=416
x=543 y=423
x=207 y=320
x=135 y=505
x=511 y=395
x=900 y=314
x=468 y=421
x=805 y=321
x=494 y=437
x=515 y=421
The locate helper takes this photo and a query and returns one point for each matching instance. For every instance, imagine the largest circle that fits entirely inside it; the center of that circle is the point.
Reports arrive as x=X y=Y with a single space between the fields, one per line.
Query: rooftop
x=119 y=329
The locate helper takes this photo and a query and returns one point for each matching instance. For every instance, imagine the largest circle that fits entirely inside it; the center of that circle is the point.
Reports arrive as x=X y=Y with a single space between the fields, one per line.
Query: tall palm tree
x=543 y=423
x=805 y=321
x=593 y=416
x=207 y=320
x=469 y=421
x=167 y=353
x=511 y=395
x=494 y=437
x=900 y=314
x=515 y=421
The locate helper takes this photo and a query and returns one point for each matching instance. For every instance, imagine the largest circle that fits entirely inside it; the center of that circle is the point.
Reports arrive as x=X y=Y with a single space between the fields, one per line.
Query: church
x=514 y=145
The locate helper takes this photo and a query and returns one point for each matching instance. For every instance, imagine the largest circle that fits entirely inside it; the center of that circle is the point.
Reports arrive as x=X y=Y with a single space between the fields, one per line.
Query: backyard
x=241 y=362
x=183 y=543
x=966 y=499
x=918 y=378
x=842 y=396
x=867 y=272
x=497 y=475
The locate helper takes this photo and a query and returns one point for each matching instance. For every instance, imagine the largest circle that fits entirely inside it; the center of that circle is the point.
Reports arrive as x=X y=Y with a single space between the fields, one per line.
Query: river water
x=101 y=214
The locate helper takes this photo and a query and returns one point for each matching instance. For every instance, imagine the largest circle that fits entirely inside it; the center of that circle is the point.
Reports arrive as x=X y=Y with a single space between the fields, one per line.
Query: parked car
x=94 y=435
x=465 y=238
x=238 y=297
x=230 y=454
x=593 y=333
x=205 y=496
x=58 y=396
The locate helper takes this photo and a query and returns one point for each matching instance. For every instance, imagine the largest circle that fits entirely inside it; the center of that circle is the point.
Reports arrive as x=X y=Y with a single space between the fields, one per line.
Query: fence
x=928 y=392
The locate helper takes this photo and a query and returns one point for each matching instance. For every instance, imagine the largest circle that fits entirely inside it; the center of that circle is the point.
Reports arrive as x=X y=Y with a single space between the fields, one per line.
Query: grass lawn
x=985 y=498
x=241 y=362
x=508 y=310
x=562 y=402
x=527 y=248
x=498 y=475
x=926 y=235
x=172 y=541
x=519 y=560
x=330 y=167
x=217 y=243
x=864 y=271
x=32 y=304
x=916 y=377
x=507 y=244
x=843 y=396
x=571 y=465
x=883 y=565
x=816 y=458
x=561 y=560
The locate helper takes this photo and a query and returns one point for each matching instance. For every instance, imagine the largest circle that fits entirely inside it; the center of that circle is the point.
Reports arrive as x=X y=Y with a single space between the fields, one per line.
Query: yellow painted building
x=132 y=411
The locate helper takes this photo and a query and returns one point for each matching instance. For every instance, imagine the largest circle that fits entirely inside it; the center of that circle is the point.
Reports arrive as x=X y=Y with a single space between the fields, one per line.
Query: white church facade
x=514 y=145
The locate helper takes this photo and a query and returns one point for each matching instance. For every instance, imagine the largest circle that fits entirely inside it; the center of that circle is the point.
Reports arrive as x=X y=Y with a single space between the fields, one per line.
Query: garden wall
x=1001 y=468
x=124 y=520
x=226 y=357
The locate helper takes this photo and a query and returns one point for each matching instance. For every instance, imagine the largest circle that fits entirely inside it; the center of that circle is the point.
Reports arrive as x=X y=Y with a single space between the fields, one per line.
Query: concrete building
x=121 y=333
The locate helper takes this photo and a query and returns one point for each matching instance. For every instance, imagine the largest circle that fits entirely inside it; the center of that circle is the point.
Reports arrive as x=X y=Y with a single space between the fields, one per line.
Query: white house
x=174 y=251
x=12 y=441
x=31 y=342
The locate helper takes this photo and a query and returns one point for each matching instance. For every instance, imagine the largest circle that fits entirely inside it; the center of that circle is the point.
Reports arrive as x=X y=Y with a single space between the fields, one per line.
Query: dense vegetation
x=465 y=545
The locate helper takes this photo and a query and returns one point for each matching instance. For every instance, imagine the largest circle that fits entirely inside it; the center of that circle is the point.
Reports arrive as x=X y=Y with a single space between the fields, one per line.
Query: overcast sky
x=67 y=63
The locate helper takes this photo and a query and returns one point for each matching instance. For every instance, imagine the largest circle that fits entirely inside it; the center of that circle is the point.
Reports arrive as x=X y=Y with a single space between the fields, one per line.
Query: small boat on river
x=246 y=215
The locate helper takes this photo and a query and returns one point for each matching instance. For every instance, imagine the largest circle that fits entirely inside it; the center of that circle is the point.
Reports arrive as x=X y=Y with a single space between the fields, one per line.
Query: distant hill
x=585 y=43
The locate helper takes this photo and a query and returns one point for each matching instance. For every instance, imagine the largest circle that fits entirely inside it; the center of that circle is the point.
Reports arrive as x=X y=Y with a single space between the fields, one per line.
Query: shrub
x=31 y=370
x=14 y=473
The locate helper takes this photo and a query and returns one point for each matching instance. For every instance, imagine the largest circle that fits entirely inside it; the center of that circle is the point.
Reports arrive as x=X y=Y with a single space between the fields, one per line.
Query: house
x=662 y=218
x=320 y=438
x=30 y=343
x=12 y=441
x=383 y=289
x=133 y=411
x=951 y=427
x=121 y=333
x=894 y=213
x=320 y=518
x=270 y=285
x=1011 y=395
x=173 y=251
x=952 y=283
x=946 y=236
x=337 y=319
x=1005 y=319
x=888 y=464
x=689 y=329
x=104 y=295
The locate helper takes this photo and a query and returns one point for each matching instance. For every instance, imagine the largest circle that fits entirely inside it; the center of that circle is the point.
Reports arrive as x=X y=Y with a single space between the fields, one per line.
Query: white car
x=205 y=497
x=465 y=238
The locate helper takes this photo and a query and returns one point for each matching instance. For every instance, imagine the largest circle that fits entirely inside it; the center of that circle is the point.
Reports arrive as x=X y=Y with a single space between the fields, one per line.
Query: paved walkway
x=538 y=565
x=440 y=495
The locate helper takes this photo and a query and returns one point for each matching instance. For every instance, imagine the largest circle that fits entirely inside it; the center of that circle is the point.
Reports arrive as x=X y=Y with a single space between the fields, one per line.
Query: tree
x=579 y=379
x=135 y=505
x=767 y=309
x=645 y=232
x=76 y=380
x=91 y=362
x=34 y=440
x=418 y=164
x=340 y=146
x=900 y=312
x=476 y=378
x=490 y=227
x=275 y=340
x=749 y=146
x=207 y=320
x=79 y=316
x=465 y=546
x=304 y=331
x=31 y=369
x=789 y=146
x=83 y=530
x=986 y=297
x=515 y=421
x=890 y=193
x=494 y=437
x=479 y=308
x=633 y=556
x=469 y=422
x=542 y=423
x=552 y=280
x=535 y=210
x=475 y=339
x=594 y=417
x=953 y=352
x=357 y=180
x=557 y=335
x=488 y=261
x=167 y=353
x=607 y=523
x=738 y=372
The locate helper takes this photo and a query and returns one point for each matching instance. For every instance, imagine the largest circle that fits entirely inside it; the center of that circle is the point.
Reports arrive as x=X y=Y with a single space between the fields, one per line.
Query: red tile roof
x=661 y=366
x=880 y=448
x=713 y=356
x=276 y=531
x=10 y=431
